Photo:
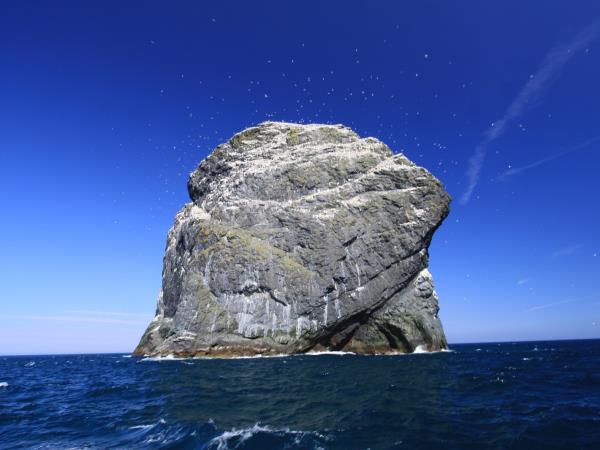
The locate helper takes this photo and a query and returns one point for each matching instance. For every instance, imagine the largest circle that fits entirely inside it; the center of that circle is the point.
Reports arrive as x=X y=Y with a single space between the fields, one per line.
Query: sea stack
x=301 y=238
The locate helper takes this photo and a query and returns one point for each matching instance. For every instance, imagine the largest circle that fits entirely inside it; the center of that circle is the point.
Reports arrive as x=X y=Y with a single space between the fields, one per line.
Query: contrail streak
x=550 y=67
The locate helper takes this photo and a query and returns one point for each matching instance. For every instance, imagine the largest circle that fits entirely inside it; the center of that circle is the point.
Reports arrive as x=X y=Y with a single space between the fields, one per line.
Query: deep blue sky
x=106 y=107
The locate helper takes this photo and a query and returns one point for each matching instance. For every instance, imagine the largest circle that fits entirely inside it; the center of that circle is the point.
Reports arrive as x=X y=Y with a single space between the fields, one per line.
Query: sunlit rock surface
x=301 y=238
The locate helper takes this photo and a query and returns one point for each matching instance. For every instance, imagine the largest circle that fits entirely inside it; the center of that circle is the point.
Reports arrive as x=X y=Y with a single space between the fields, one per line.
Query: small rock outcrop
x=301 y=238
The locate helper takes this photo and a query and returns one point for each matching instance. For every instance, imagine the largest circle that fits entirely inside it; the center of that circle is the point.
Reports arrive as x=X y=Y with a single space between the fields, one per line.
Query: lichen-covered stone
x=299 y=238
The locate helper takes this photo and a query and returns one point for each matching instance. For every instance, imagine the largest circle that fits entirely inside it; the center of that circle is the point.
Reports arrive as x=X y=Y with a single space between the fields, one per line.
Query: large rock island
x=301 y=238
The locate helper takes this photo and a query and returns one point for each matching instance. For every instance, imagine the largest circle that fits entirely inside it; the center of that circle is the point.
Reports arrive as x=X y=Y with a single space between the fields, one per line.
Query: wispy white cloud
x=525 y=99
x=523 y=281
x=566 y=251
x=550 y=305
x=516 y=170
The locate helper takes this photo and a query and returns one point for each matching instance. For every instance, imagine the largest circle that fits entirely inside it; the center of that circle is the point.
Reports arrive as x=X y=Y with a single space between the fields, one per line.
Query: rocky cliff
x=301 y=238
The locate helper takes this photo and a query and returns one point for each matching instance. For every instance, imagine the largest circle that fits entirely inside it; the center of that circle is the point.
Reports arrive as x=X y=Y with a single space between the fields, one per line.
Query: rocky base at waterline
x=301 y=238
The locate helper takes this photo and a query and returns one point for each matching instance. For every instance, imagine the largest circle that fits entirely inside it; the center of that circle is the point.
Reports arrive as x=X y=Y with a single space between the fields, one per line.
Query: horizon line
x=299 y=354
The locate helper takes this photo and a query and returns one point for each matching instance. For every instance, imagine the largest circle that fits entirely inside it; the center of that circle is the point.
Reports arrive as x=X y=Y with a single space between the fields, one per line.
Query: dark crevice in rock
x=329 y=289
x=251 y=290
x=398 y=261
x=360 y=317
x=424 y=332
x=395 y=337
x=274 y=298
x=349 y=241
x=343 y=332
x=348 y=335
x=342 y=280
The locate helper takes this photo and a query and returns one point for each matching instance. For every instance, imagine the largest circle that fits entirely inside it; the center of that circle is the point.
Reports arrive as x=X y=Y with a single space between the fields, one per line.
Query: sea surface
x=510 y=395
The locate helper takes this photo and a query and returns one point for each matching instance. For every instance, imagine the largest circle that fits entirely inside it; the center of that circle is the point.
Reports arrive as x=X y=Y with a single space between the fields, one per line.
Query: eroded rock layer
x=300 y=238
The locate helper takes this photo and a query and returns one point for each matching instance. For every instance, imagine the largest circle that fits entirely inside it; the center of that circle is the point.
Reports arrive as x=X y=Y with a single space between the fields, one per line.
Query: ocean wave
x=3 y=384
x=282 y=437
x=163 y=434
x=169 y=357
x=281 y=355
x=148 y=426
x=141 y=427
x=421 y=349
x=329 y=352
x=208 y=436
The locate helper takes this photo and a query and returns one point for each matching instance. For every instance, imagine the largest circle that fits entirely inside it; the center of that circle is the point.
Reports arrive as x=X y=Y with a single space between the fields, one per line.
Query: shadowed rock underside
x=301 y=238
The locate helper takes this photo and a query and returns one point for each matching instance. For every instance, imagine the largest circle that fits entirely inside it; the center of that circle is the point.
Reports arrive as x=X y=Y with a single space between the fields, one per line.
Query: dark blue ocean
x=510 y=395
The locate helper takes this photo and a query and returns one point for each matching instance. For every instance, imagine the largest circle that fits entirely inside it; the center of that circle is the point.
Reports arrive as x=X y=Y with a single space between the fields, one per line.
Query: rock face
x=300 y=238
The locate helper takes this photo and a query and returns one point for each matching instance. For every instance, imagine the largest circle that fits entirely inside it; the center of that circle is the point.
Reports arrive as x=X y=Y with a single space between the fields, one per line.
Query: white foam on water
x=222 y=441
x=331 y=352
x=141 y=427
x=147 y=426
x=420 y=349
x=3 y=384
x=125 y=356
x=187 y=359
x=169 y=357
x=259 y=356
x=30 y=364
